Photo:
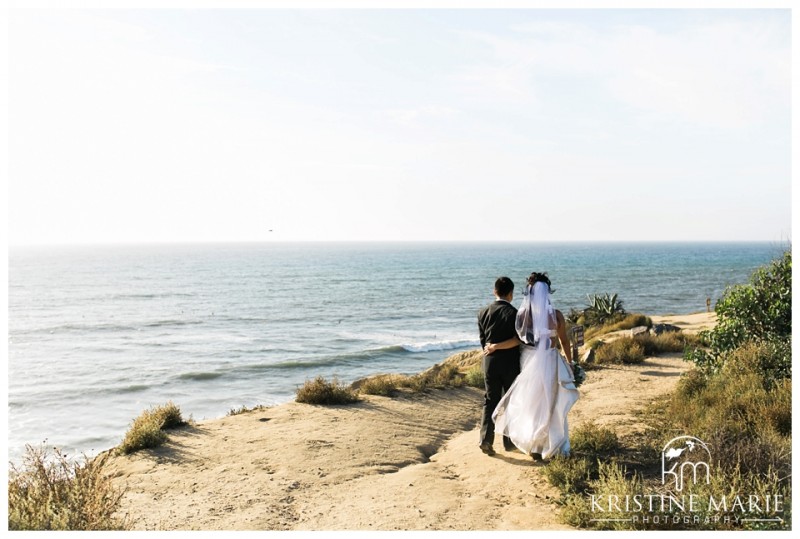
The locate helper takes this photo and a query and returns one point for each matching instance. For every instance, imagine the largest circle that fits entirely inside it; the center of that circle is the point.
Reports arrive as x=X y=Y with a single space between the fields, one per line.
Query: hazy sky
x=217 y=125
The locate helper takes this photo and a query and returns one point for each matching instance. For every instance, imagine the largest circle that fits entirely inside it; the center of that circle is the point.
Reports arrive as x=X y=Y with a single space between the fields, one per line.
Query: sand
x=405 y=463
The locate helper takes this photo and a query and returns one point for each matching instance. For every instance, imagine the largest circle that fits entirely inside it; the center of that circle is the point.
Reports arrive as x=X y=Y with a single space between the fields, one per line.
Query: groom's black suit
x=497 y=323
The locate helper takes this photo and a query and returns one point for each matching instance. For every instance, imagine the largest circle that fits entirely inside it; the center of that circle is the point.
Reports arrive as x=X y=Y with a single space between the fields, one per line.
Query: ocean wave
x=110 y=327
x=120 y=387
x=164 y=323
x=134 y=388
x=360 y=356
x=437 y=346
x=222 y=317
x=199 y=376
x=343 y=359
x=276 y=319
x=148 y=296
x=82 y=327
x=299 y=363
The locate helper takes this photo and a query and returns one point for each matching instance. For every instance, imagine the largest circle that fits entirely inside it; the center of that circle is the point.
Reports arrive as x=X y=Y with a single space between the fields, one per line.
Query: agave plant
x=574 y=315
x=604 y=307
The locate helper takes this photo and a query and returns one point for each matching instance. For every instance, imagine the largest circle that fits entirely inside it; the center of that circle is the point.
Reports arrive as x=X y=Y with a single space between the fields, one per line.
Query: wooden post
x=577 y=340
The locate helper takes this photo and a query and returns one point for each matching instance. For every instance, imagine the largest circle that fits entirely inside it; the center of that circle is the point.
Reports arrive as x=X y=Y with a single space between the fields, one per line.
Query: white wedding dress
x=533 y=412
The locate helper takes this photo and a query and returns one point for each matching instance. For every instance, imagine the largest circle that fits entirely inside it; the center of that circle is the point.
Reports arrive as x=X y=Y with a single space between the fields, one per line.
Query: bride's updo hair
x=540 y=278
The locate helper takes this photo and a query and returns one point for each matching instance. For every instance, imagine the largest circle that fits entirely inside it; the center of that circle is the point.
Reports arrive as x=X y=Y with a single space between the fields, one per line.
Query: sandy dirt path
x=404 y=463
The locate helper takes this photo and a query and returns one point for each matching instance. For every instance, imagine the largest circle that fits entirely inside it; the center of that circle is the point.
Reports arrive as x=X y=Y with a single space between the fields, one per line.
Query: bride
x=533 y=412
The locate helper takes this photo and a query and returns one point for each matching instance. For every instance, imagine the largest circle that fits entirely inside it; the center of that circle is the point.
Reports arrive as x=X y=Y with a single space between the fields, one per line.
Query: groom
x=497 y=323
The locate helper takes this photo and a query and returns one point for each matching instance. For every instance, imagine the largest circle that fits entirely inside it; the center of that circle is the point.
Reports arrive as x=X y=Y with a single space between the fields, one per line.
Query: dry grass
x=627 y=322
x=244 y=409
x=737 y=409
x=622 y=350
x=636 y=349
x=614 y=482
x=147 y=430
x=740 y=411
x=439 y=376
x=382 y=384
x=50 y=492
x=674 y=341
x=611 y=481
x=320 y=391
x=591 y=444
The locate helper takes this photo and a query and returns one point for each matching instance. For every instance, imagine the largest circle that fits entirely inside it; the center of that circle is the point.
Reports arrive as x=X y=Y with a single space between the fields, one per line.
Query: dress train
x=533 y=412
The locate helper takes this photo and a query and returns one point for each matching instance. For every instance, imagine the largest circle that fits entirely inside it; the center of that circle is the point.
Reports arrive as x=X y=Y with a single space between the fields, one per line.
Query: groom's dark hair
x=503 y=286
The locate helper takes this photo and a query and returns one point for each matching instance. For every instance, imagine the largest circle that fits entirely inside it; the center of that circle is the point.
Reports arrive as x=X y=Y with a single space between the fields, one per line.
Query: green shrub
x=475 y=377
x=576 y=511
x=320 y=391
x=147 y=430
x=170 y=416
x=777 y=411
x=691 y=383
x=769 y=359
x=760 y=311
x=568 y=474
x=740 y=408
x=591 y=438
x=446 y=376
x=51 y=492
x=622 y=350
x=145 y=433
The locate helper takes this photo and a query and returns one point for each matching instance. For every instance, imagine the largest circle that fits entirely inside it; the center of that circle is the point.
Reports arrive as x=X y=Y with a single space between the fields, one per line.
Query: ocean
x=98 y=334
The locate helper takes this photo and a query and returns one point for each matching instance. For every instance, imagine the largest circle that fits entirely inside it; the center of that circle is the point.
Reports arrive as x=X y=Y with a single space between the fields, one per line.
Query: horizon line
x=785 y=241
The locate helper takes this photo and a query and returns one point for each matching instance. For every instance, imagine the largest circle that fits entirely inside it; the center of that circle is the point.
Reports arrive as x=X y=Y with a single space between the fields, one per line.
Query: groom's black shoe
x=487 y=448
x=508 y=445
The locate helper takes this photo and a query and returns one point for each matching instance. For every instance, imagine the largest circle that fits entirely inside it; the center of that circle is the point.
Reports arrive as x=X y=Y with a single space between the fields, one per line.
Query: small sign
x=577 y=335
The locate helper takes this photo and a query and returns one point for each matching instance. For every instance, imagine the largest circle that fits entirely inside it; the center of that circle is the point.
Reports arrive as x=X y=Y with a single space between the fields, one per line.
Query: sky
x=172 y=125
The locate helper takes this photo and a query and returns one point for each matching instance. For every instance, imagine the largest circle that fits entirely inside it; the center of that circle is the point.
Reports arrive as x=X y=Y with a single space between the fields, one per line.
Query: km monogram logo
x=685 y=456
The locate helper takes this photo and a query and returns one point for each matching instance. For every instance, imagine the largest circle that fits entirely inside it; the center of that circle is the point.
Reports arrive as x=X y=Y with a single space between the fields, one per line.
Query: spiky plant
x=604 y=307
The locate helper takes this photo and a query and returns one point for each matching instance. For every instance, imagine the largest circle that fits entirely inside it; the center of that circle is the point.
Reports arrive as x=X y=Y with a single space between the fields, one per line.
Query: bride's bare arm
x=566 y=346
x=508 y=343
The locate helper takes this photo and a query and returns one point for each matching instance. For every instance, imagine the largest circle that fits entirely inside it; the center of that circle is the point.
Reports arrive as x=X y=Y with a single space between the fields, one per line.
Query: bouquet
x=578 y=373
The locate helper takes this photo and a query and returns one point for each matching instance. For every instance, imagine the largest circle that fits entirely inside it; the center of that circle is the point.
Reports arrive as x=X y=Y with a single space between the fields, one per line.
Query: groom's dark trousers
x=496 y=323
